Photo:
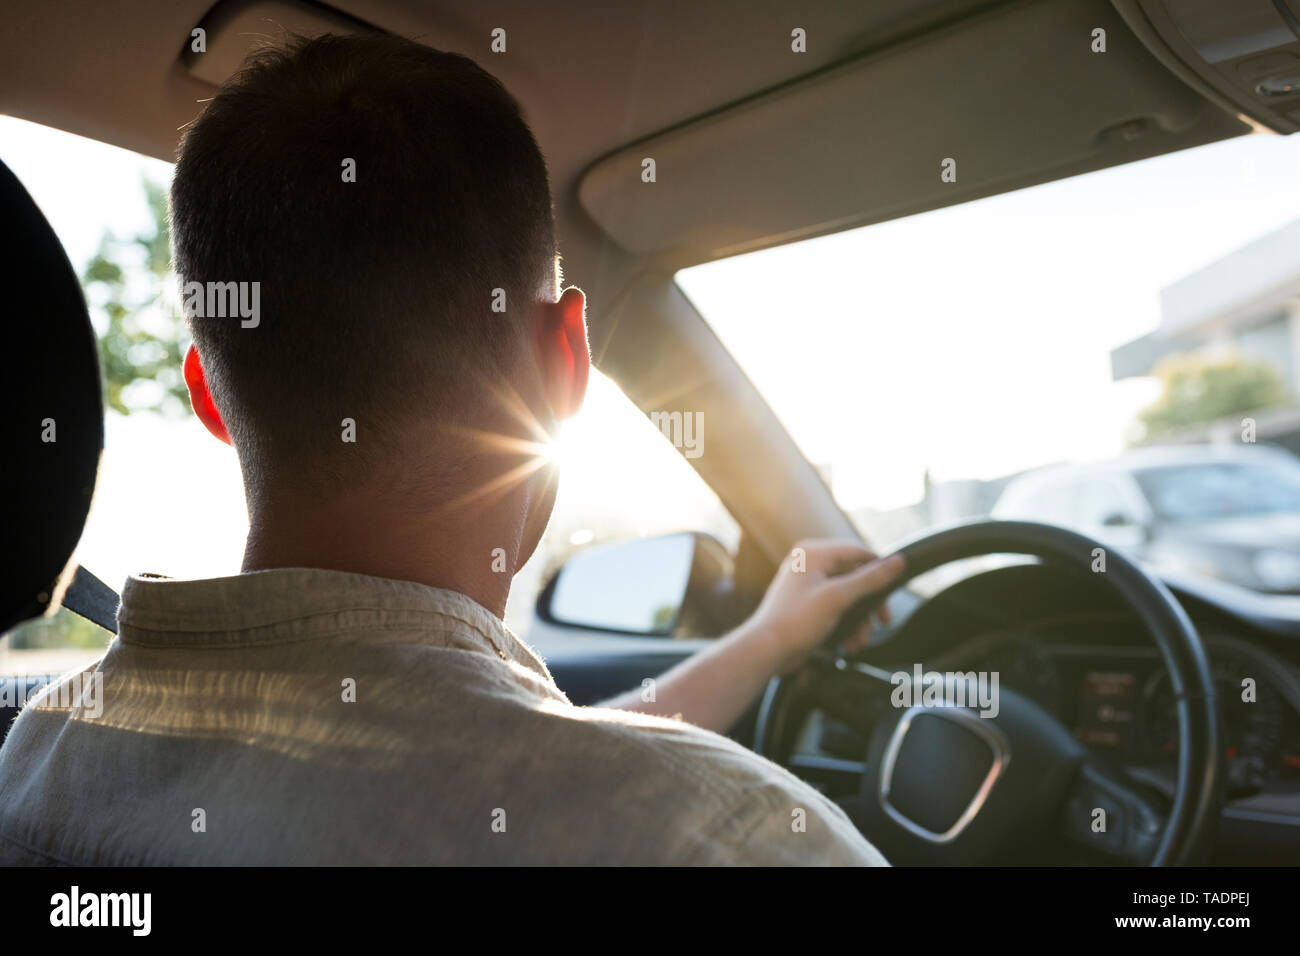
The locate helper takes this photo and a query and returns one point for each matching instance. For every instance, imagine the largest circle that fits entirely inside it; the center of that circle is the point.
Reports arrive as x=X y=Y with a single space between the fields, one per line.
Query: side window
x=108 y=208
x=619 y=479
x=56 y=644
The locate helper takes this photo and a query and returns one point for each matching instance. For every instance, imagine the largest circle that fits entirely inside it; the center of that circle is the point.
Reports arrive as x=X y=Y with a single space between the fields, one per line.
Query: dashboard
x=1067 y=642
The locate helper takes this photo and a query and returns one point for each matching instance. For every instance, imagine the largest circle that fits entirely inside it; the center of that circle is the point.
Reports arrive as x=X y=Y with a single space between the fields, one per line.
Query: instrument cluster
x=1118 y=700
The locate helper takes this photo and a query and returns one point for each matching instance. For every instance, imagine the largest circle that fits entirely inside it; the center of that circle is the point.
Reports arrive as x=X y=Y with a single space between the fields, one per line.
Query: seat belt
x=92 y=599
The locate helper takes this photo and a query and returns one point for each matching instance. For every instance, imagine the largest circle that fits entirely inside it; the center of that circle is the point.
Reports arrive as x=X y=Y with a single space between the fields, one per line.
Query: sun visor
x=233 y=29
x=1023 y=94
x=1245 y=54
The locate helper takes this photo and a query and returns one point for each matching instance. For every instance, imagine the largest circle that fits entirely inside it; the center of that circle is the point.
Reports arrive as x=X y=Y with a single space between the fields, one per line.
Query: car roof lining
x=741 y=172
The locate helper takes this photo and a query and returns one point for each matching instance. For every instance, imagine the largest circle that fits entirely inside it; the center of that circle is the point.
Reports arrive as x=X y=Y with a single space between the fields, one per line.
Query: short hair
x=376 y=296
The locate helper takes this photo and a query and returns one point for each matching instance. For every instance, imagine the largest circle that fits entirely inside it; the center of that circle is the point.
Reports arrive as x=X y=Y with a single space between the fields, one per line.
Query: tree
x=1199 y=391
x=142 y=338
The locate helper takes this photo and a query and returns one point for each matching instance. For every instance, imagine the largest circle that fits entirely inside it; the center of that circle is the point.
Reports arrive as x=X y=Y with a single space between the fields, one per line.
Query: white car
x=1231 y=513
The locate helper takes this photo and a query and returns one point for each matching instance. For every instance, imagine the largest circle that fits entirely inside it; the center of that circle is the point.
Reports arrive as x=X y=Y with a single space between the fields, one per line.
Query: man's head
x=388 y=200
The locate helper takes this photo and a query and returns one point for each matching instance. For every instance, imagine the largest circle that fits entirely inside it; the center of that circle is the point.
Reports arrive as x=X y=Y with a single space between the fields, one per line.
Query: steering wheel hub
x=932 y=799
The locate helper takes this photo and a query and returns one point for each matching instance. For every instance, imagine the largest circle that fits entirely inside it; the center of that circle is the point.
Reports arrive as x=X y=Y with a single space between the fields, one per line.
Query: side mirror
x=646 y=586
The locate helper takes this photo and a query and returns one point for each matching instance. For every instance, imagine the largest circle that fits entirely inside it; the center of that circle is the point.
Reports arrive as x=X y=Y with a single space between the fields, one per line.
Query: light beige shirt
x=315 y=717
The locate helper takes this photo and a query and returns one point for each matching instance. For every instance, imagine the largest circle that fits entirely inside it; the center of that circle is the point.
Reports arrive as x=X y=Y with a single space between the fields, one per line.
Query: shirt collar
x=293 y=604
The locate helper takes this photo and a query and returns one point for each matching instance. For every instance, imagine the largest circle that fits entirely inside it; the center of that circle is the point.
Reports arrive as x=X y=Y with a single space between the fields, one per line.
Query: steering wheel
x=943 y=784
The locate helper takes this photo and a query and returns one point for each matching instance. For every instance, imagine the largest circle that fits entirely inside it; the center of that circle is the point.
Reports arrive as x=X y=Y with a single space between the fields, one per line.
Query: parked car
x=1231 y=513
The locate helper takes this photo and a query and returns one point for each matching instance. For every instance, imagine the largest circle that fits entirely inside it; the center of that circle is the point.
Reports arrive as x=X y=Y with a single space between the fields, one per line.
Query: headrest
x=53 y=409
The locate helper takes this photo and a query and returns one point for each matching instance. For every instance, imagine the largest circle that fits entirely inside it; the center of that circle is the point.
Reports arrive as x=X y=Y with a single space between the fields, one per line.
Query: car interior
x=770 y=125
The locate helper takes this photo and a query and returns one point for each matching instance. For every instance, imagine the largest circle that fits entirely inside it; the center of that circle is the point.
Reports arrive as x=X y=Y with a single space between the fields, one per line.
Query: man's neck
x=471 y=553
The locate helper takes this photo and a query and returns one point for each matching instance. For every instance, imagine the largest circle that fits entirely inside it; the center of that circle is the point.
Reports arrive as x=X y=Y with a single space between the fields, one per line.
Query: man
x=353 y=696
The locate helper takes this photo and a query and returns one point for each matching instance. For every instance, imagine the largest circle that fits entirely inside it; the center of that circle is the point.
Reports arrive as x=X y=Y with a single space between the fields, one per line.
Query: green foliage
x=142 y=338
x=1198 y=391
x=62 y=629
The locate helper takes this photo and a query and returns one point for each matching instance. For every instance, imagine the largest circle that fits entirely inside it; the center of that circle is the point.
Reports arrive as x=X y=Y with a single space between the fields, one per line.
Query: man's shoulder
x=734 y=806
x=690 y=795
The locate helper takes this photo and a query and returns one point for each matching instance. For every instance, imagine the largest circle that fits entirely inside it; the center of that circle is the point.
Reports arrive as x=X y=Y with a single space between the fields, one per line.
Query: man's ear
x=200 y=398
x=562 y=351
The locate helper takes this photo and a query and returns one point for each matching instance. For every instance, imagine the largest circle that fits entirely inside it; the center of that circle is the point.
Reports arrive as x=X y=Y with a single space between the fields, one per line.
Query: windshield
x=927 y=364
x=1207 y=492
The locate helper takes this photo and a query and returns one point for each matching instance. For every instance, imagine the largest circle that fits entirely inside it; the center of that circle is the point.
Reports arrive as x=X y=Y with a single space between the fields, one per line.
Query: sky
x=972 y=341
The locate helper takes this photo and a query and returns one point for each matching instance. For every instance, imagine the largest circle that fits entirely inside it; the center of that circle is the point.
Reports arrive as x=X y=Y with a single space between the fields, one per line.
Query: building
x=1247 y=304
